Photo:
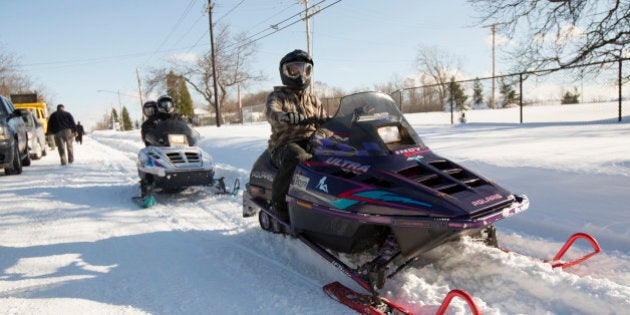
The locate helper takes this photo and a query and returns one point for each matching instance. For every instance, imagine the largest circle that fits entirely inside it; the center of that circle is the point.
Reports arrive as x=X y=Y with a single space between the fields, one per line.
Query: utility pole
x=308 y=37
x=119 y=112
x=140 y=91
x=308 y=29
x=240 y=104
x=214 y=67
x=494 y=32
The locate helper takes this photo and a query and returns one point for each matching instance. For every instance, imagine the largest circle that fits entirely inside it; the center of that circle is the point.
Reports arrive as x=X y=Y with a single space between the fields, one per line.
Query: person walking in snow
x=61 y=125
x=286 y=107
x=80 y=132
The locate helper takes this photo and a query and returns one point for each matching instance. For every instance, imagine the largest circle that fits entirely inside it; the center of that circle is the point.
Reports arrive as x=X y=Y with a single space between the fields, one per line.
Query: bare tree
x=560 y=33
x=393 y=85
x=11 y=78
x=439 y=66
x=233 y=55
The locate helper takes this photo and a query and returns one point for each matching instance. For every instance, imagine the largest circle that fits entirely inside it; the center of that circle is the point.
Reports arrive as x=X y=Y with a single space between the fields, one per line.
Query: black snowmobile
x=374 y=187
x=374 y=183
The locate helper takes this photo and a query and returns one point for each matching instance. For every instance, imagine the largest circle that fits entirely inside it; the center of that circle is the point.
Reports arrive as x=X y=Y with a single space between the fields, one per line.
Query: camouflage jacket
x=284 y=100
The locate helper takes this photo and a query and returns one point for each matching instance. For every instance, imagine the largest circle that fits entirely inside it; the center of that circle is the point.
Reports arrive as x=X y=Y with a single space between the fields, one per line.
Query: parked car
x=14 y=151
x=35 y=132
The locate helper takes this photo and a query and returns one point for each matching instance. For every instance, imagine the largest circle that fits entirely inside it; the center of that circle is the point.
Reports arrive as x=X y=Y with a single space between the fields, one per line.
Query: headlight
x=177 y=140
x=4 y=133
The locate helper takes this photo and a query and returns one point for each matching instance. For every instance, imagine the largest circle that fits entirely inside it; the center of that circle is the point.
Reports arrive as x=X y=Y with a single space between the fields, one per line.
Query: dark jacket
x=80 y=130
x=147 y=126
x=60 y=120
x=152 y=122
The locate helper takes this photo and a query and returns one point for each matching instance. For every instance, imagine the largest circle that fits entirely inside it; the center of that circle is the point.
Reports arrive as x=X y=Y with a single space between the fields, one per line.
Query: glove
x=292 y=118
x=323 y=133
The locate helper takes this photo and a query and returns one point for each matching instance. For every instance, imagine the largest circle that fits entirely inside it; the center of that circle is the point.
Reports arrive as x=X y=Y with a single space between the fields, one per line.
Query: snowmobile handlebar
x=313 y=121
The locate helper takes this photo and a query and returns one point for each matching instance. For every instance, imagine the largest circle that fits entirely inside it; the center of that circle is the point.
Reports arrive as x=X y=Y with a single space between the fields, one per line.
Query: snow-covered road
x=73 y=242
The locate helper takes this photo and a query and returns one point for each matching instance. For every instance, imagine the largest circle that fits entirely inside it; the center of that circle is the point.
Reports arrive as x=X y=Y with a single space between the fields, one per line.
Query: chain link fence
x=518 y=92
x=576 y=85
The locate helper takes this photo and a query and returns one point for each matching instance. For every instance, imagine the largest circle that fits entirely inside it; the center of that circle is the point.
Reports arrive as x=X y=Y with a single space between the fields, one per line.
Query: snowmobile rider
x=156 y=112
x=149 y=109
x=286 y=107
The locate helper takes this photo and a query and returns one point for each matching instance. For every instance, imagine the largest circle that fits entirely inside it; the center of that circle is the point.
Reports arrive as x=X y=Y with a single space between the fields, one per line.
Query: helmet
x=165 y=104
x=149 y=108
x=296 y=68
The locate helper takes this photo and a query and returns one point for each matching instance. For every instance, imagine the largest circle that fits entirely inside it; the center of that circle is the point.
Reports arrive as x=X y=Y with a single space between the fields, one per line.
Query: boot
x=281 y=211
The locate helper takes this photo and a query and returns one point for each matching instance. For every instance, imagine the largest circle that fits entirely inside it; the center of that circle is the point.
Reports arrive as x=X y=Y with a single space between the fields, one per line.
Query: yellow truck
x=31 y=102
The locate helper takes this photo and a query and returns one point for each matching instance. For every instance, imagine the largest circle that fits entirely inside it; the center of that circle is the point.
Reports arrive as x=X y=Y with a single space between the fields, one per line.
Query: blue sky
x=76 y=48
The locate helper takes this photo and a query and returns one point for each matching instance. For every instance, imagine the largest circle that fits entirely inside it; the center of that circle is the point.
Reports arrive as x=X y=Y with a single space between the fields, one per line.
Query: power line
x=230 y=11
x=274 y=28
x=179 y=21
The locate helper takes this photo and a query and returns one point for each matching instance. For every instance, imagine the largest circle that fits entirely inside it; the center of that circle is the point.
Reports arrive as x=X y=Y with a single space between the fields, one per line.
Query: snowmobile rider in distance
x=156 y=111
x=286 y=107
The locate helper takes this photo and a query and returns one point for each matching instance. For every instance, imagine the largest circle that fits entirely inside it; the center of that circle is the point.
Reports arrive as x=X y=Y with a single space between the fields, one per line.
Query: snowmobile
x=373 y=187
x=171 y=162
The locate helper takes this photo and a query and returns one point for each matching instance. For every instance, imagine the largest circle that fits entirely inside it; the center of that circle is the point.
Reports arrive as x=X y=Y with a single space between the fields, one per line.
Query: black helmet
x=165 y=104
x=296 y=69
x=149 y=108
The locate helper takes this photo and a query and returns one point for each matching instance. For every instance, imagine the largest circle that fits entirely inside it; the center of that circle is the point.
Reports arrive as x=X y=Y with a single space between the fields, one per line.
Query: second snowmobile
x=172 y=161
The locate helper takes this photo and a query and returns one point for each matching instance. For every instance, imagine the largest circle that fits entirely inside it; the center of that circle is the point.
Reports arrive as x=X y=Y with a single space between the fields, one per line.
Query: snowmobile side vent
x=175 y=157
x=440 y=164
x=192 y=157
x=449 y=189
x=183 y=157
x=458 y=173
x=424 y=176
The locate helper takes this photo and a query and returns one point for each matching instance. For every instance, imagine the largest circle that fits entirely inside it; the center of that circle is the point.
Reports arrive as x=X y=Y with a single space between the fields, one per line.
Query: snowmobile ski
x=362 y=303
x=144 y=202
x=557 y=261
x=219 y=184
x=369 y=305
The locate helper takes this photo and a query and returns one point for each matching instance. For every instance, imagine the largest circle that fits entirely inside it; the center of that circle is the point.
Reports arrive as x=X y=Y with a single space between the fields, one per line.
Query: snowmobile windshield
x=367 y=124
x=172 y=132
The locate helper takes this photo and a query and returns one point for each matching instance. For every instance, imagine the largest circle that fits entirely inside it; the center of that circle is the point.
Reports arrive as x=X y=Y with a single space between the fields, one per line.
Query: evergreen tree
x=177 y=89
x=571 y=98
x=477 y=92
x=456 y=94
x=185 y=101
x=172 y=89
x=126 y=120
x=509 y=95
x=114 y=115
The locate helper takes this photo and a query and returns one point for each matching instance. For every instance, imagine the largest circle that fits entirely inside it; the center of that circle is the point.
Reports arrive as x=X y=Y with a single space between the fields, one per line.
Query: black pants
x=286 y=158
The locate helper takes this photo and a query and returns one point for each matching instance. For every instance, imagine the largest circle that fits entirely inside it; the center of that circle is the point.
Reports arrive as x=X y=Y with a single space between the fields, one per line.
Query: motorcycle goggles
x=165 y=106
x=295 y=69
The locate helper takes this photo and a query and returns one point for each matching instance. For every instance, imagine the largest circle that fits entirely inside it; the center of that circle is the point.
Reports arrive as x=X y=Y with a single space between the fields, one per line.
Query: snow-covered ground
x=73 y=242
